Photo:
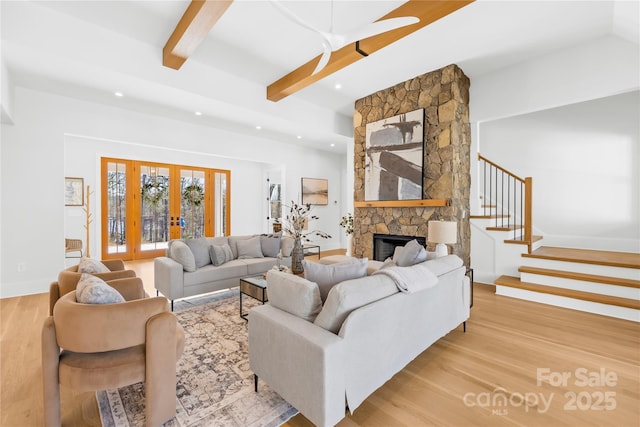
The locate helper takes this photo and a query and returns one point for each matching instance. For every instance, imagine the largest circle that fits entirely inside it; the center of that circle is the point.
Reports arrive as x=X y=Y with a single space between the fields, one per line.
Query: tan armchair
x=68 y=279
x=90 y=347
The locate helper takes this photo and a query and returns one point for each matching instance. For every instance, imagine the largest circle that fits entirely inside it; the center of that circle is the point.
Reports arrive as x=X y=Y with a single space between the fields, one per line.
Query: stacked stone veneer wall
x=444 y=95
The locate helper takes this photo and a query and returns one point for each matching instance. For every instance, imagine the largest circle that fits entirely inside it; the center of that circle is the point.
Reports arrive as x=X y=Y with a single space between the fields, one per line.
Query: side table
x=254 y=287
x=311 y=249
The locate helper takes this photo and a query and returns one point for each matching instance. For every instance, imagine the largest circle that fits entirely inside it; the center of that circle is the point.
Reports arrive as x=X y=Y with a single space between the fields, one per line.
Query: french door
x=145 y=204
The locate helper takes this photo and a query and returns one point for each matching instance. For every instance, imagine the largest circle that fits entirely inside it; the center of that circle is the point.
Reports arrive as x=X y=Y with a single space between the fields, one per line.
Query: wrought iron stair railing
x=507 y=200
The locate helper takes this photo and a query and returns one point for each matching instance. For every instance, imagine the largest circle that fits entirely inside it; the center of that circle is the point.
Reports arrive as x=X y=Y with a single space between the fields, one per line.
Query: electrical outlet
x=22 y=267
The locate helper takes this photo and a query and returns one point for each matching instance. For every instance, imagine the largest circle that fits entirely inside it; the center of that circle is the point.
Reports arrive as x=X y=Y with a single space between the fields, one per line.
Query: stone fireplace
x=444 y=95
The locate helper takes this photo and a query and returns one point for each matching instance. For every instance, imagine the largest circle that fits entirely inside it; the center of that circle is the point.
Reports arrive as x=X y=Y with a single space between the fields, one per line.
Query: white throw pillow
x=326 y=276
x=220 y=254
x=94 y=290
x=412 y=253
x=293 y=294
x=91 y=266
x=249 y=248
x=180 y=252
x=350 y=295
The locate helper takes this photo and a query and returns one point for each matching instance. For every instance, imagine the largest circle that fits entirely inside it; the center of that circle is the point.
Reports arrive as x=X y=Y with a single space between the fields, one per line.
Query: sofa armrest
x=168 y=277
x=300 y=361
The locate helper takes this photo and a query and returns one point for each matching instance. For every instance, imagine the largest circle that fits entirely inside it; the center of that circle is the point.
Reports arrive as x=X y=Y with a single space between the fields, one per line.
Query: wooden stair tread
x=618 y=281
x=520 y=240
x=588 y=256
x=515 y=282
x=509 y=227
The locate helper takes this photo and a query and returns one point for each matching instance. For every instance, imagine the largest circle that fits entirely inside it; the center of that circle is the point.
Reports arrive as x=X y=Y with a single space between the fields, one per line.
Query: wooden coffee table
x=256 y=288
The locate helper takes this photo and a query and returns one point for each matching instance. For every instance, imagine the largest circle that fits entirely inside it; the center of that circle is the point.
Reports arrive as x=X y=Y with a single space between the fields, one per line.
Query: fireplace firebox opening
x=385 y=244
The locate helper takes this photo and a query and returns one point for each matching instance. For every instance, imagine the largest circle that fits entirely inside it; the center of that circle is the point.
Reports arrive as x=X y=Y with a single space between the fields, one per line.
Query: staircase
x=601 y=282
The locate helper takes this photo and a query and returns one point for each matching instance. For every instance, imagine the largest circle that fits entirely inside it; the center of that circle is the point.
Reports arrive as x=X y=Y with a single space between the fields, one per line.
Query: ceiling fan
x=332 y=41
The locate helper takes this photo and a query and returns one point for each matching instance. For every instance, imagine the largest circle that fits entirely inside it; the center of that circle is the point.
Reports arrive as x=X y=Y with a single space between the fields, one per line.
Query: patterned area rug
x=215 y=385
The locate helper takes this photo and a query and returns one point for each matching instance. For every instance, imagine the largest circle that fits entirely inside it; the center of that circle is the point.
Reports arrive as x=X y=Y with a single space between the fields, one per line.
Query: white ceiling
x=89 y=49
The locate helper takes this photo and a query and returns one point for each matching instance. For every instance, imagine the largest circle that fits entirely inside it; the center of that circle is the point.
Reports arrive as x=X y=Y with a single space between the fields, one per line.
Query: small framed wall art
x=315 y=191
x=73 y=191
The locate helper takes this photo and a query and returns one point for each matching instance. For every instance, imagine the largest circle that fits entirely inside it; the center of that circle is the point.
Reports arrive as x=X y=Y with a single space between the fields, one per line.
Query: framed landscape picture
x=73 y=191
x=394 y=157
x=315 y=191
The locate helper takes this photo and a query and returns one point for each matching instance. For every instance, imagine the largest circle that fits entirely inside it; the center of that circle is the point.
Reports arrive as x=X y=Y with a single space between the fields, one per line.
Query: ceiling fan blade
x=379 y=27
x=293 y=17
x=324 y=59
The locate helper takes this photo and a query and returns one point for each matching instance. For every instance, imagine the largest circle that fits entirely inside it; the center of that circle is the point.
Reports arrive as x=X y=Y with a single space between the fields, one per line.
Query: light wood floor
x=506 y=342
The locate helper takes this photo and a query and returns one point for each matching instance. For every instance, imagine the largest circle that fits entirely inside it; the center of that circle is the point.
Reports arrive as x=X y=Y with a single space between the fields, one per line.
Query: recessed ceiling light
x=333 y=145
x=198 y=113
x=299 y=137
x=258 y=127
x=338 y=86
x=119 y=94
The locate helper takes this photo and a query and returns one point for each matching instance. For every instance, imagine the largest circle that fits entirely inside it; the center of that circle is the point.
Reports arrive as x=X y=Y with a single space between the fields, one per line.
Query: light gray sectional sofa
x=207 y=264
x=318 y=355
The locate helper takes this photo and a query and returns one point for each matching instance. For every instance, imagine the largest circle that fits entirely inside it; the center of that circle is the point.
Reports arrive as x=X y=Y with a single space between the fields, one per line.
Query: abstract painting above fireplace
x=394 y=157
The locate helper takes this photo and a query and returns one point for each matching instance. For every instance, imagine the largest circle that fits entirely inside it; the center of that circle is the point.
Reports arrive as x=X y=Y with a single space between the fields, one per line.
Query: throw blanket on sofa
x=410 y=279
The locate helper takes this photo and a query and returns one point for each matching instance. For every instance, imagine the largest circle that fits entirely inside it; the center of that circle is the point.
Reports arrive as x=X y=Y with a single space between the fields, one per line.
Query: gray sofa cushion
x=233 y=243
x=200 y=249
x=293 y=294
x=180 y=252
x=218 y=240
x=249 y=248
x=259 y=265
x=211 y=273
x=326 y=276
x=220 y=254
x=270 y=244
x=350 y=295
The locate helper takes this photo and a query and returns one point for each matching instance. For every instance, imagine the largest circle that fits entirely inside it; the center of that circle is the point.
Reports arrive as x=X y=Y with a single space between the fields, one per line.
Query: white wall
x=505 y=130
x=603 y=67
x=584 y=159
x=54 y=136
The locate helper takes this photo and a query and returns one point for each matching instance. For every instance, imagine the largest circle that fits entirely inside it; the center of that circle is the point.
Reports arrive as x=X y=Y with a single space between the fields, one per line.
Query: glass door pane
x=192 y=206
x=221 y=226
x=116 y=211
x=154 y=207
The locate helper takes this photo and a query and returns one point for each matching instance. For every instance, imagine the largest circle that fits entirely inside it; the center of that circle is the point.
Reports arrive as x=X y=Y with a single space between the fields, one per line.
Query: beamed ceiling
x=243 y=63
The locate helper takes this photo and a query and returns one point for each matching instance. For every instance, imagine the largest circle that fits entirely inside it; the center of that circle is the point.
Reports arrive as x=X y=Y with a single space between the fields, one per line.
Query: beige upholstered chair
x=72 y=245
x=68 y=279
x=90 y=347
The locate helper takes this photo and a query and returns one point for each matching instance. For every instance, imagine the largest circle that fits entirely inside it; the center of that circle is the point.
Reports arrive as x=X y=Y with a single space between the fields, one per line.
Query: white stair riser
x=480 y=276
x=575 y=304
x=580 y=285
x=536 y=244
x=579 y=267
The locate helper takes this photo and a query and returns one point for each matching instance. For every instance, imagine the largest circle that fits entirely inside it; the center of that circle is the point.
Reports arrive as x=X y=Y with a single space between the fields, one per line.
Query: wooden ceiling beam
x=427 y=11
x=196 y=22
